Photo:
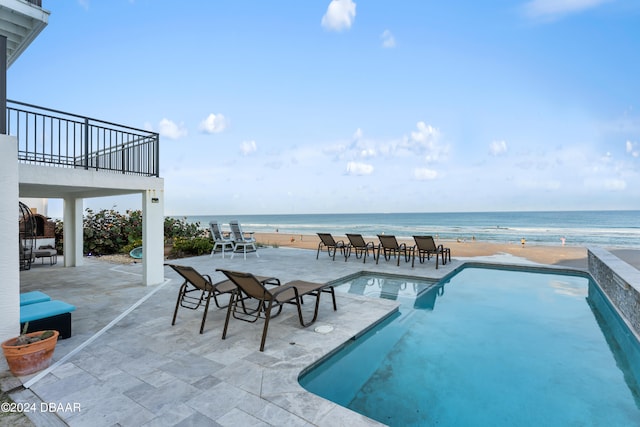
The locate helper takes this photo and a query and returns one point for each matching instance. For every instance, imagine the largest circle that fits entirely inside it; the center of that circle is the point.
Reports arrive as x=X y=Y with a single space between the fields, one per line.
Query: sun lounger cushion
x=48 y=315
x=33 y=297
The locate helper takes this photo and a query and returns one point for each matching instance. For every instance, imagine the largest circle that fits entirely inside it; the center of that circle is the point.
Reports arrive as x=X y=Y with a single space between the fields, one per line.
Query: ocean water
x=578 y=228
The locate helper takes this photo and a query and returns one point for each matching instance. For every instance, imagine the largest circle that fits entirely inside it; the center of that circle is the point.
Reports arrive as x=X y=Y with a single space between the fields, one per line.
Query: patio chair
x=270 y=299
x=425 y=247
x=242 y=240
x=219 y=241
x=197 y=290
x=327 y=240
x=389 y=246
x=356 y=242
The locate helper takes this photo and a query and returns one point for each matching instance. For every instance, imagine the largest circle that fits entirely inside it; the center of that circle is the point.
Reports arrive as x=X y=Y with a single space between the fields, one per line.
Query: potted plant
x=30 y=352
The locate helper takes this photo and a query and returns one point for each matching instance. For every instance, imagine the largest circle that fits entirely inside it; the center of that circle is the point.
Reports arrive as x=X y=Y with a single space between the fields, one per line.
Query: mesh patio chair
x=389 y=246
x=219 y=240
x=361 y=248
x=242 y=240
x=425 y=247
x=197 y=290
x=270 y=299
x=327 y=240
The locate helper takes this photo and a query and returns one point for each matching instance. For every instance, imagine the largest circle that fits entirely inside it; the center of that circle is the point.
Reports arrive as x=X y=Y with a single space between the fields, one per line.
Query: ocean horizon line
x=403 y=212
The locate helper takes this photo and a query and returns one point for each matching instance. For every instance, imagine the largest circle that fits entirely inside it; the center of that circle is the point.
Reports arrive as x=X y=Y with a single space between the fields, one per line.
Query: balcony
x=20 y=22
x=55 y=138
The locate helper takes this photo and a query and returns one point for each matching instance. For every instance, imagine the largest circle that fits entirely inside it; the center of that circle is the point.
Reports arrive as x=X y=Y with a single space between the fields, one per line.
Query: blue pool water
x=489 y=347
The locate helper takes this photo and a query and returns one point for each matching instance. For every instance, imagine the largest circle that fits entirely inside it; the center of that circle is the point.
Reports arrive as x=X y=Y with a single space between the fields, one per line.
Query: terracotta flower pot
x=29 y=358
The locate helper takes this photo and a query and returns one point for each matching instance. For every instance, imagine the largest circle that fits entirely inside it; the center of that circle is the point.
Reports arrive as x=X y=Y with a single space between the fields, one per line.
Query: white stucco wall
x=9 y=258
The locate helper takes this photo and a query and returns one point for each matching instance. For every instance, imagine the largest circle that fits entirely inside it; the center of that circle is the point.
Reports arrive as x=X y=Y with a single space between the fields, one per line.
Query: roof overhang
x=20 y=22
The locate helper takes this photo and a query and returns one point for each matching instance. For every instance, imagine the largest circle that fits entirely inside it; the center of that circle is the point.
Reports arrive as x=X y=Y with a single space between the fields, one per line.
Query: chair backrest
x=249 y=284
x=327 y=239
x=425 y=243
x=388 y=241
x=356 y=240
x=192 y=276
x=238 y=236
x=215 y=231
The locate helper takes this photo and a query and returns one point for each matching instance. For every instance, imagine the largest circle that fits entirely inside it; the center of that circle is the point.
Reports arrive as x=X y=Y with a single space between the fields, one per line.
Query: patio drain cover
x=324 y=329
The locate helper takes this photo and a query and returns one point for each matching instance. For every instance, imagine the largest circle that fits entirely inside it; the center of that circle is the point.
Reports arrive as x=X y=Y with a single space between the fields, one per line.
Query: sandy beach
x=574 y=256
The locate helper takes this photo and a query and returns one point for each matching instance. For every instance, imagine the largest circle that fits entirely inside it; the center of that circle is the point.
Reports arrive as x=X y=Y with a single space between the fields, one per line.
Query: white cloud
x=340 y=15
x=356 y=168
x=214 y=123
x=632 y=148
x=498 y=147
x=248 y=147
x=388 y=40
x=550 y=9
x=424 y=174
x=425 y=141
x=171 y=130
x=357 y=134
x=368 y=152
x=607 y=184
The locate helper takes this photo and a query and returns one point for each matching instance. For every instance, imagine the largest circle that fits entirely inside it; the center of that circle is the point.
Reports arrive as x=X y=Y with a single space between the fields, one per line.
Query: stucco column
x=152 y=237
x=72 y=231
x=9 y=249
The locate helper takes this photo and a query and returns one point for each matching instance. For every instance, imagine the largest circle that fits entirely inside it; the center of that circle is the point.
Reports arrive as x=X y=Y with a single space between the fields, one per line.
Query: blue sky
x=350 y=106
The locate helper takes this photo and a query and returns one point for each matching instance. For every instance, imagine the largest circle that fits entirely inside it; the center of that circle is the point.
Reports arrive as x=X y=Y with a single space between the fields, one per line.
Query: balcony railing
x=55 y=138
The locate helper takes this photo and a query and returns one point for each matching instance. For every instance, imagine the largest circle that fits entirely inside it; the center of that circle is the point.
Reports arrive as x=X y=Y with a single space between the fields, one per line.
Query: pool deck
x=126 y=365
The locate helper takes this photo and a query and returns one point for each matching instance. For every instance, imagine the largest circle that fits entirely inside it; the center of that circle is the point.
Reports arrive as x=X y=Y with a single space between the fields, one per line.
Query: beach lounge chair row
x=250 y=297
x=388 y=246
x=237 y=240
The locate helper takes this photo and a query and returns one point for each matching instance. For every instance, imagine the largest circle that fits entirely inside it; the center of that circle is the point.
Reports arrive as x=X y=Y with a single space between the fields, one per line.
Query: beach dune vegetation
x=108 y=232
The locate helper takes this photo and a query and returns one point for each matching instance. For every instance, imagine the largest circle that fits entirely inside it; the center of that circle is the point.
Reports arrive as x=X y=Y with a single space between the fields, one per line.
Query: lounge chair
x=219 y=241
x=198 y=289
x=425 y=247
x=242 y=240
x=327 y=240
x=356 y=242
x=250 y=287
x=389 y=246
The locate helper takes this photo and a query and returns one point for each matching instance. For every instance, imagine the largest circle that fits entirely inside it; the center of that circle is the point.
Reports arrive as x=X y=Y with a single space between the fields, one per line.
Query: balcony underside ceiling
x=51 y=182
x=20 y=22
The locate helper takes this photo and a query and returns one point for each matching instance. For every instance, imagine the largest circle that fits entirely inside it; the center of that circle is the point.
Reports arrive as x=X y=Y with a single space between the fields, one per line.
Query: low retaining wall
x=619 y=281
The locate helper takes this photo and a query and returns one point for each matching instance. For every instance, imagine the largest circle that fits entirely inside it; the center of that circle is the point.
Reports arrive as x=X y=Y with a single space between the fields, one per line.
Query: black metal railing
x=55 y=138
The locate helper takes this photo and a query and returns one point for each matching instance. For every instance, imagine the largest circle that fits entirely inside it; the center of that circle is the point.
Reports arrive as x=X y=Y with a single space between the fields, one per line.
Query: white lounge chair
x=242 y=241
x=219 y=241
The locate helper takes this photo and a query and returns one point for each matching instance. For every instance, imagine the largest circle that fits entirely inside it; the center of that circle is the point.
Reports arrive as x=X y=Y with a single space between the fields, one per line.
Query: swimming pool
x=492 y=347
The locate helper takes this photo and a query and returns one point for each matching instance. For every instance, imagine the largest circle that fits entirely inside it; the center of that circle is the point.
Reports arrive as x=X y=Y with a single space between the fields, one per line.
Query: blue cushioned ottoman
x=46 y=315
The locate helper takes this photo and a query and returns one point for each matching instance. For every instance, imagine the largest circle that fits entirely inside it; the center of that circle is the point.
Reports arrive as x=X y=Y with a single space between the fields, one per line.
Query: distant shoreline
x=575 y=228
x=543 y=254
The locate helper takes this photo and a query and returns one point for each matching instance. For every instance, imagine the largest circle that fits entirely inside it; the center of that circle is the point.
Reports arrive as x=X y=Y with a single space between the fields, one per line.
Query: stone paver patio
x=126 y=365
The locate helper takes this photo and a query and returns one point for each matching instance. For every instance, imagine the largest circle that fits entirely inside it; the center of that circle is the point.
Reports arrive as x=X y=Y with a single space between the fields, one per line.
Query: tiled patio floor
x=143 y=371
x=125 y=365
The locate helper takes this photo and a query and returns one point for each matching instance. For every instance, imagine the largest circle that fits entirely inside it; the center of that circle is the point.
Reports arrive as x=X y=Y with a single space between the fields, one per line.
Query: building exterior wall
x=9 y=249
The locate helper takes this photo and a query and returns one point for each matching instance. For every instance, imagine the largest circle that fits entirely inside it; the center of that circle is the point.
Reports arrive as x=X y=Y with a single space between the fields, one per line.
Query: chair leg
x=318 y=253
x=267 y=317
x=206 y=310
x=315 y=312
x=180 y=296
x=329 y=289
x=232 y=303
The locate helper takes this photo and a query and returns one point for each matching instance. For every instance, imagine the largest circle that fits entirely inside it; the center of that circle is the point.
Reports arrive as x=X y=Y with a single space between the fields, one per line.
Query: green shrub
x=104 y=232
x=110 y=232
x=183 y=246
